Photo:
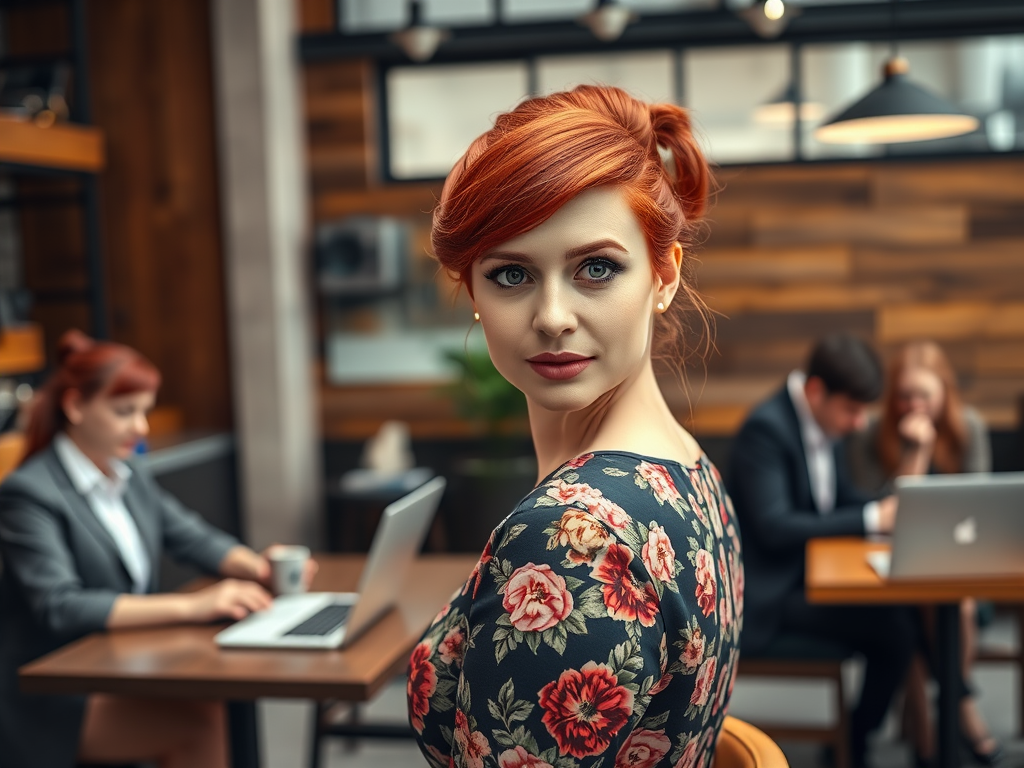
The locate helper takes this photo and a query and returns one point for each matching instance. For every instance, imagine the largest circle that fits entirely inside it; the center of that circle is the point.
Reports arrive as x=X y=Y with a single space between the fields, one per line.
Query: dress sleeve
x=550 y=653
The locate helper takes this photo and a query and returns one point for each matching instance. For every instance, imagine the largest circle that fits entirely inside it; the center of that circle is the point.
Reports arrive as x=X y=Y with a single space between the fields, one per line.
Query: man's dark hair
x=848 y=366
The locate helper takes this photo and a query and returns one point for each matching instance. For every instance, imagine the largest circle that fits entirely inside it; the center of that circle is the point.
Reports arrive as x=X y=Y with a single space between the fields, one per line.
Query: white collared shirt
x=820 y=456
x=105 y=496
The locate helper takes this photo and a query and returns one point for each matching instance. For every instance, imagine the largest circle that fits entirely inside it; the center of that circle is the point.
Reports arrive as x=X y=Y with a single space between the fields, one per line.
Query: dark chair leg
x=841 y=744
x=316 y=733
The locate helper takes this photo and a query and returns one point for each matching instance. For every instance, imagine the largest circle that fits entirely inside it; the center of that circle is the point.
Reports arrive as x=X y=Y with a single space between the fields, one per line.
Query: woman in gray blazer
x=81 y=533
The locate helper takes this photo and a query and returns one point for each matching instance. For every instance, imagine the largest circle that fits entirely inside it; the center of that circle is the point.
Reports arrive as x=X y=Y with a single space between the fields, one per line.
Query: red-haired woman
x=602 y=620
x=81 y=534
x=925 y=428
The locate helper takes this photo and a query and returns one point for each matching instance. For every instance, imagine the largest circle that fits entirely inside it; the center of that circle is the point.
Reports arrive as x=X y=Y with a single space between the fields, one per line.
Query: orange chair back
x=741 y=745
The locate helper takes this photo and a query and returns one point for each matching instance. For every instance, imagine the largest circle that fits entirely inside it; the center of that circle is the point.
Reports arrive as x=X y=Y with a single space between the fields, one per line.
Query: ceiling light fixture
x=896 y=111
x=419 y=41
x=608 y=20
x=769 y=18
x=780 y=111
x=774 y=9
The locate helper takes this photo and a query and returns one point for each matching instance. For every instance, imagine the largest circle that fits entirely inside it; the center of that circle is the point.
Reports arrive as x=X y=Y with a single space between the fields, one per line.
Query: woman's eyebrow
x=521 y=258
x=598 y=245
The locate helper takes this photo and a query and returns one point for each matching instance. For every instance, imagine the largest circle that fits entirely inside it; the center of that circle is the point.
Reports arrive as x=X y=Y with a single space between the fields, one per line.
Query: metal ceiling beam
x=829 y=23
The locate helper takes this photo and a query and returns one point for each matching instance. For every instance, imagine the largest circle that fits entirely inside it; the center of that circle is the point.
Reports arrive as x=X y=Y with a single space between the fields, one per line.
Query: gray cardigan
x=61 y=574
x=866 y=469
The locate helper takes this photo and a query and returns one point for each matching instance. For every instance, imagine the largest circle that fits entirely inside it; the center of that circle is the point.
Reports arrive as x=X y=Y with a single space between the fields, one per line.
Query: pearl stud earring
x=661 y=306
x=476 y=316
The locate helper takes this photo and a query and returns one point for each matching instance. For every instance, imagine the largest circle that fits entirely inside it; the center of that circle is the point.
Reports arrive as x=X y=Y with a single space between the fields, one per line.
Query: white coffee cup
x=287 y=565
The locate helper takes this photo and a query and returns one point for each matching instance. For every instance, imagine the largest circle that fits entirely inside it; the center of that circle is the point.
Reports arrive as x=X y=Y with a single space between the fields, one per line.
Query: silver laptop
x=334 y=619
x=956 y=525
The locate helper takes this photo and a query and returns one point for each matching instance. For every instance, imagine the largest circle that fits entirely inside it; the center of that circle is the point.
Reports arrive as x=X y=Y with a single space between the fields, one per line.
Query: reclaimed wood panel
x=759 y=187
x=985 y=180
x=808 y=297
x=950 y=321
x=780 y=264
x=991 y=262
x=316 y=16
x=921 y=225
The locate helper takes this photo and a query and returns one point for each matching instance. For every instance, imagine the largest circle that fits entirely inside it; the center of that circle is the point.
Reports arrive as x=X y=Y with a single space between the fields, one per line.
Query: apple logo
x=966 y=531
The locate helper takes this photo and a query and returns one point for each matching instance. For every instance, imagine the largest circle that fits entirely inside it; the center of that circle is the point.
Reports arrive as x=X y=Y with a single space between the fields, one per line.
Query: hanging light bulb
x=419 y=41
x=609 y=20
x=769 y=18
x=774 y=9
x=896 y=111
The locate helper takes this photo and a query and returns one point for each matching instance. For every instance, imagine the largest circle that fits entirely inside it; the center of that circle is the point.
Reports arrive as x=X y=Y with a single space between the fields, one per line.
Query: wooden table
x=184 y=661
x=837 y=572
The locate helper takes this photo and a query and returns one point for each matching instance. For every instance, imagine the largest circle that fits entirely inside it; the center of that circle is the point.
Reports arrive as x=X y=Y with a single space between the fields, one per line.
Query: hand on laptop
x=886 y=514
x=227 y=599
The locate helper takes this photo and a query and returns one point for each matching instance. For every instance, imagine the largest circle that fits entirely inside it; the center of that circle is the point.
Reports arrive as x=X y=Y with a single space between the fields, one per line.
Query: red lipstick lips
x=559 y=366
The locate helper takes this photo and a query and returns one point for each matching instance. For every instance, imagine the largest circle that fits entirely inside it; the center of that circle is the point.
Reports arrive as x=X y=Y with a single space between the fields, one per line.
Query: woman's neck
x=632 y=417
x=99 y=458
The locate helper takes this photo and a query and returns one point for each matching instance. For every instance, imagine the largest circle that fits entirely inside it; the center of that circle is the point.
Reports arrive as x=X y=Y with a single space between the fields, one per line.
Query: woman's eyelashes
x=593 y=271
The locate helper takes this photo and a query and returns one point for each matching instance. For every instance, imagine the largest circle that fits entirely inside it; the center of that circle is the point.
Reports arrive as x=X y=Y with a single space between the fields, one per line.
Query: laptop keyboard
x=323 y=622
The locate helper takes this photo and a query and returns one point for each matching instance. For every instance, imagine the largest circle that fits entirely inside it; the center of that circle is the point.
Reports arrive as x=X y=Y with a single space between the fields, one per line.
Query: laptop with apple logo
x=956 y=525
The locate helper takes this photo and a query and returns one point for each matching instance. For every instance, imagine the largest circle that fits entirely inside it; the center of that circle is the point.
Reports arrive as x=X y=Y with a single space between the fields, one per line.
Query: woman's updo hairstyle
x=93 y=368
x=547 y=151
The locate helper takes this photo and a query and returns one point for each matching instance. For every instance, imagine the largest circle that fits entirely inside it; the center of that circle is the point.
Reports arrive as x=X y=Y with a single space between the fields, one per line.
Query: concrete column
x=265 y=223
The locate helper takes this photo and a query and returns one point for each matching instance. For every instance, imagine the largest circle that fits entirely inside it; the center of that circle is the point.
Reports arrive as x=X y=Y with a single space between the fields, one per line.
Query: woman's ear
x=666 y=279
x=71 y=404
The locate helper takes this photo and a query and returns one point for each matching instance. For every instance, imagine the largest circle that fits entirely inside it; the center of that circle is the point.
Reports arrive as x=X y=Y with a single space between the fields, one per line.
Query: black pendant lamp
x=896 y=111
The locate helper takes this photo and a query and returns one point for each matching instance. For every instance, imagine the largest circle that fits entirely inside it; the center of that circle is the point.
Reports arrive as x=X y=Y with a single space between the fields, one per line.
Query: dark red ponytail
x=91 y=367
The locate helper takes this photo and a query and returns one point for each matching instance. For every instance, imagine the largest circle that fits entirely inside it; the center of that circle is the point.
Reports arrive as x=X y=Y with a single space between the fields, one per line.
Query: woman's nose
x=554 y=315
x=142 y=425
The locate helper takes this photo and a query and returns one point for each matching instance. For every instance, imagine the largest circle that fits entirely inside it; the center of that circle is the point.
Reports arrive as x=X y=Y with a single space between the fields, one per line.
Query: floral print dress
x=600 y=626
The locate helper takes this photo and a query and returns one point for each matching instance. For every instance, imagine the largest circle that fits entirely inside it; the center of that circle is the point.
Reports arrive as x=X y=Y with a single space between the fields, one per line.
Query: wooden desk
x=837 y=571
x=184 y=661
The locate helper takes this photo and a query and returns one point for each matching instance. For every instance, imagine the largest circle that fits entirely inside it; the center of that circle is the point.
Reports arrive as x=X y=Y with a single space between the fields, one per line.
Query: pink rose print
x=693 y=652
x=472 y=744
x=698 y=510
x=702 y=686
x=689 y=756
x=478 y=569
x=723 y=687
x=579 y=461
x=661 y=685
x=585 y=708
x=643 y=749
x=660 y=481
x=520 y=758
x=707 y=588
x=658 y=555
x=537 y=598
x=738 y=585
x=590 y=498
x=582 y=533
x=421 y=684
x=453 y=647
x=625 y=598
x=696 y=481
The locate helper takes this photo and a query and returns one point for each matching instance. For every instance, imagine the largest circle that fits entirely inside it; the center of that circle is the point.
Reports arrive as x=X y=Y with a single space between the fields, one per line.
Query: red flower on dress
x=472 y=744
x=536 y=598
x=707 y=587
x=658 y=554
x=591 y=499
x=579 y=461
x=477 y=573
x=520 y=758
x=704 y=681
x=643 y=749
x=453 y=647
x=585 y=708
x=689 y=757
x=660 y=481
x=624 y=597
x=421 y=684
x=693 y=651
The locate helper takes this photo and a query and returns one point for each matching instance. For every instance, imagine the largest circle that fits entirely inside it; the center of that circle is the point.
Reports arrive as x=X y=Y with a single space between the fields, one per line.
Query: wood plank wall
x=893 y=251
x=151 y=78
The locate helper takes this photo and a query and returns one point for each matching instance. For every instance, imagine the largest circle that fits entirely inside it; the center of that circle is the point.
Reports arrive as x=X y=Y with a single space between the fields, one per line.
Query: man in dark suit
x=789 y=482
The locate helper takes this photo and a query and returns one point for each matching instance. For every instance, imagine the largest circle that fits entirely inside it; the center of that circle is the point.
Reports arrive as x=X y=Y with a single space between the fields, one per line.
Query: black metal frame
x=921 y=20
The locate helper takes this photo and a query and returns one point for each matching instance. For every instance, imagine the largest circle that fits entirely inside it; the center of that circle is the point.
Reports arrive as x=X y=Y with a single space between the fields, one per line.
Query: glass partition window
x=435 y=112
x=725 y=88
x=650 y=75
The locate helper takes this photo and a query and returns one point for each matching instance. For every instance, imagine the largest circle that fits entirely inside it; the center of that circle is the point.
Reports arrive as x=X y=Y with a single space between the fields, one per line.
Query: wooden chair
x=741 y=745
x=795 y=656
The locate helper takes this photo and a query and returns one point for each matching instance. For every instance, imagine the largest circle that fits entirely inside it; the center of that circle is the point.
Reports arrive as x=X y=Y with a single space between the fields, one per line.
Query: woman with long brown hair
x=602 y=620
x=82 y=529
x=926 y=428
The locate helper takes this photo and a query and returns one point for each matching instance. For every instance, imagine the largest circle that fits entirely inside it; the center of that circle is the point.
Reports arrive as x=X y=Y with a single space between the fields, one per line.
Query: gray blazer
x=61 y=574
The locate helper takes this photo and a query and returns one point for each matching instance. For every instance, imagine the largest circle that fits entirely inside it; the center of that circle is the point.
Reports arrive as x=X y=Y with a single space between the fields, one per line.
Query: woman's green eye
x=511 y=276
x=597 y=271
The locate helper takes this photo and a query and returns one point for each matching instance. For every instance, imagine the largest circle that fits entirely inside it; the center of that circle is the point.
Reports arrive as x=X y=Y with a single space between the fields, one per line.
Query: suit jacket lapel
x=80 y=506
x=149 y=530
x=803 y=473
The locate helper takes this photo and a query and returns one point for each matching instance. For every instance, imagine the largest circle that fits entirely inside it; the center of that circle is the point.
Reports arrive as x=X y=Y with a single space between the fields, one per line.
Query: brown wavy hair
x=550 y=149
x=93 y=368
x=950 y=427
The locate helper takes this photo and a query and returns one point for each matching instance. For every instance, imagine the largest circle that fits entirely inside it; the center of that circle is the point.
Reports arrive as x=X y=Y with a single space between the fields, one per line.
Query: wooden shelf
x=21 y=350
x=63 y=146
